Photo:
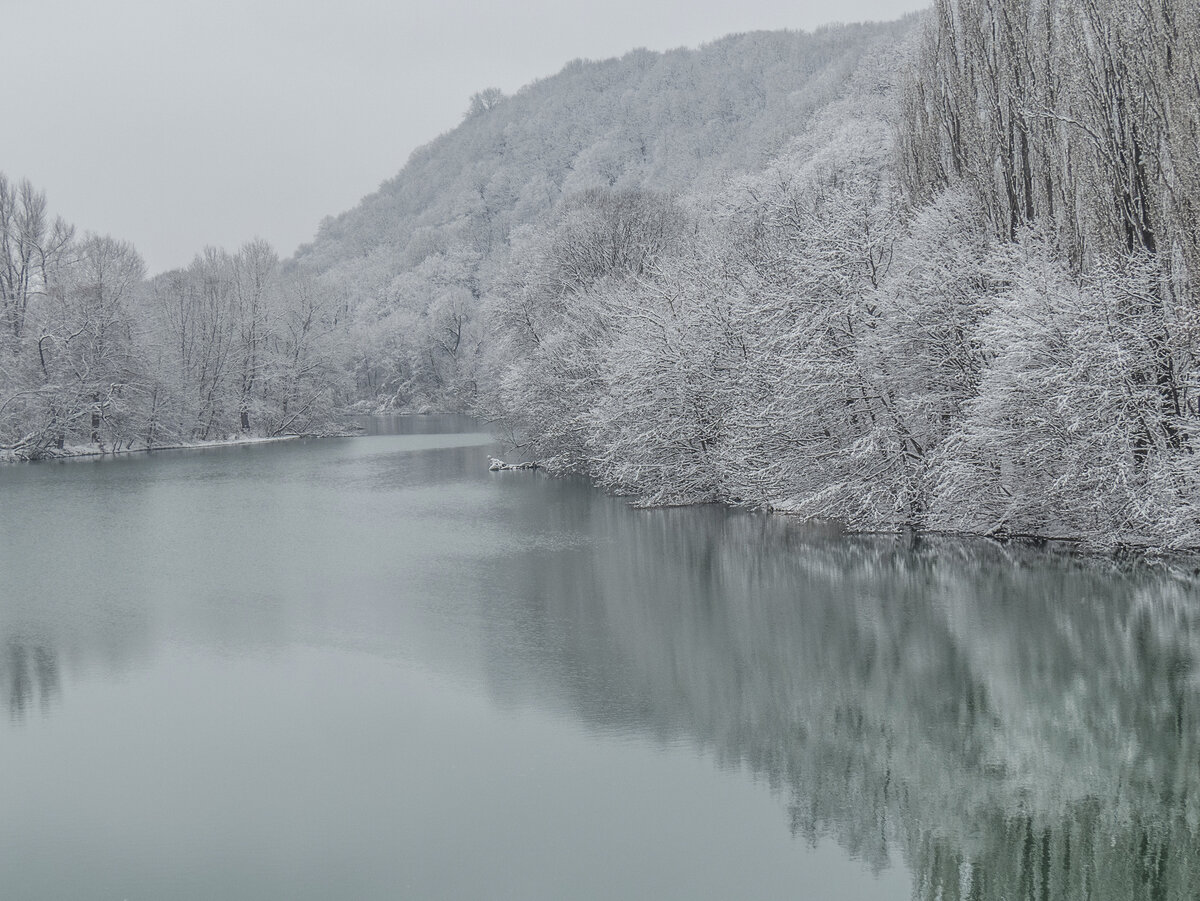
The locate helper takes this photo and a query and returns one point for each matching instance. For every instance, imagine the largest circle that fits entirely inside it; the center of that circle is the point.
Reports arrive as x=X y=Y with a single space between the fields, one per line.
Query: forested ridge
x=383 y=310
x=936 y=274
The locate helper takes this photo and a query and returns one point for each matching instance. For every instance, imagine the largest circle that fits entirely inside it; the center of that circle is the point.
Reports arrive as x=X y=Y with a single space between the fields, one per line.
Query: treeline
x=990 y=325
x=963 y=296
x=94 y=356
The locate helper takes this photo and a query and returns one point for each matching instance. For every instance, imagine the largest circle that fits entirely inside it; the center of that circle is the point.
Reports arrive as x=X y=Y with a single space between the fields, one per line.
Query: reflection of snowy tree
x=1002 y=719
x=30 y=675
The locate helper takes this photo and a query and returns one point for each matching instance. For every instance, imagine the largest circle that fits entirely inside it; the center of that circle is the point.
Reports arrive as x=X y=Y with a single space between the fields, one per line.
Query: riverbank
x=1101 y=545
x=77 y=451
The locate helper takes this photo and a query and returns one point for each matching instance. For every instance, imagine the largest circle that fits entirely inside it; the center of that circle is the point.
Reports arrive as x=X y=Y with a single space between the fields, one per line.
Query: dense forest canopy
x=963 y=298
x=940 y=273
x=418 y=257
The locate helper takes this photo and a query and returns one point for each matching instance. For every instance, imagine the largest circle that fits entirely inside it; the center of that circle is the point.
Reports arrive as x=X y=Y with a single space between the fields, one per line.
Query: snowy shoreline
x=84 y=451
x=1141 y=549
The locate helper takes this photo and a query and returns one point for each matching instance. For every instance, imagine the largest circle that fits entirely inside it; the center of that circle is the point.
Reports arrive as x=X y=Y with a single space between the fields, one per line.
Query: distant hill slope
x=671 y=122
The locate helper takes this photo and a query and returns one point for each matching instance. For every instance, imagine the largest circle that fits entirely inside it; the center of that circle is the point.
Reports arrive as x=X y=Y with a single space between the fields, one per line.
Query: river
x=370 y=668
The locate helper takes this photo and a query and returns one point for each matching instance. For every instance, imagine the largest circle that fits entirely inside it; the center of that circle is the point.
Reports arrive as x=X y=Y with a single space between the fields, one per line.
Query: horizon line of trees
x=94 y=354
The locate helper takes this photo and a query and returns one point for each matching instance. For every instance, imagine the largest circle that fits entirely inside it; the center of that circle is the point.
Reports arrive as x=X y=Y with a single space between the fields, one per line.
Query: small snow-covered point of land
x=498 y=465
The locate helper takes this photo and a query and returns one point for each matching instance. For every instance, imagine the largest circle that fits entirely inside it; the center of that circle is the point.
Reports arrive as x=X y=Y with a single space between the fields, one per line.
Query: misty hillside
x=669 y=122
x=386 y=309
x=940 y=273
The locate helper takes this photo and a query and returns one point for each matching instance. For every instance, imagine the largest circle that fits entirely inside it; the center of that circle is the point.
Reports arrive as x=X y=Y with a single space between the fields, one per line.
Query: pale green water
x=368 y=668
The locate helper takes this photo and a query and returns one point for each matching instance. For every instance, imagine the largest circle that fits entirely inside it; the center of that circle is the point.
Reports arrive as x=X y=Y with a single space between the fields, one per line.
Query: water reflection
x=29 y=677
x=1011 y=723
x=1006 y=723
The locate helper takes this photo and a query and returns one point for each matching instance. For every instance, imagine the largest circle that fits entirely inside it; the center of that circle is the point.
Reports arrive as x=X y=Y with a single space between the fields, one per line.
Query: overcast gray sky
x=180 y=123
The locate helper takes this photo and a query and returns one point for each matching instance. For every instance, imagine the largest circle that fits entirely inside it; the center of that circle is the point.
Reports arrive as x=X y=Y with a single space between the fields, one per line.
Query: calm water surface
x=369 y=668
